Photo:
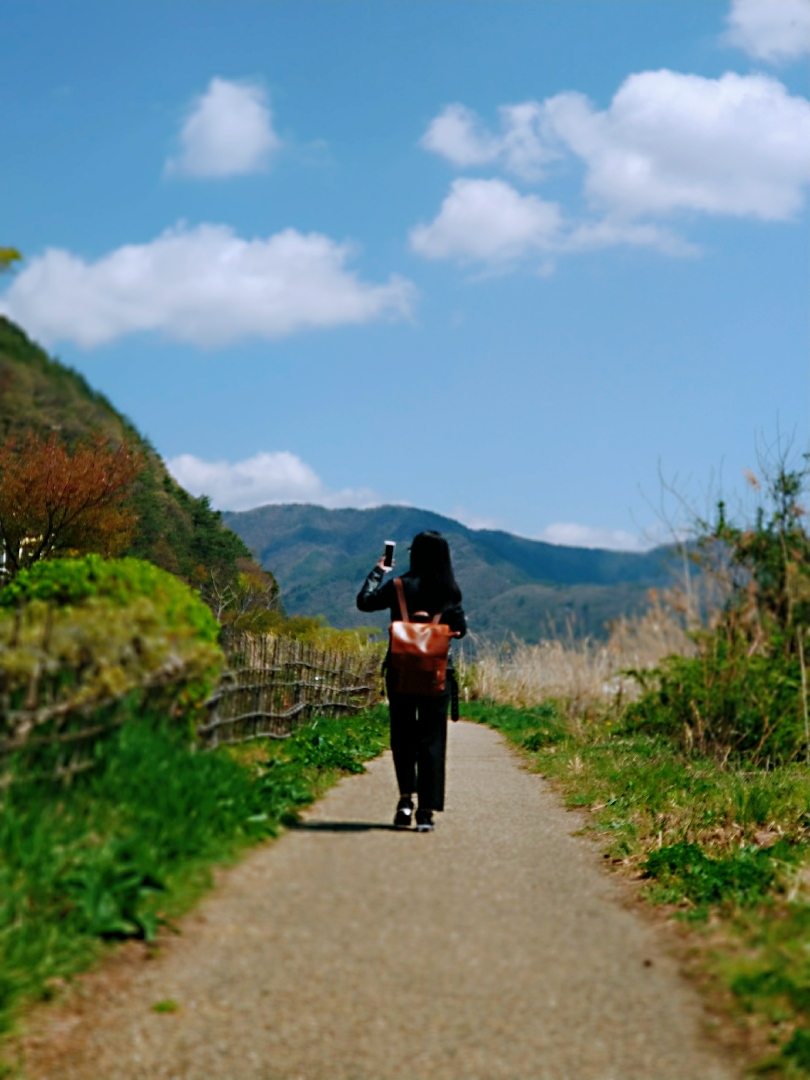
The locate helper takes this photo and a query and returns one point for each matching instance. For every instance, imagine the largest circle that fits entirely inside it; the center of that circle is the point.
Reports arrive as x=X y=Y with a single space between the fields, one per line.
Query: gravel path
x=495 y=948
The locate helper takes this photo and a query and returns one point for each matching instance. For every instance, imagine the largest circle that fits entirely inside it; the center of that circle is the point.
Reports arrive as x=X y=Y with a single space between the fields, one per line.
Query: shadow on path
x=345 y=826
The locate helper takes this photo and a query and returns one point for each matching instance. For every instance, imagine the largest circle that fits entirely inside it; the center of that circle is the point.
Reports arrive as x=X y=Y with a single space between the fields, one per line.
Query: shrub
x=725 y=702
x=68 y=582
x=744 y=696
x=83 y=642
x=56 y=500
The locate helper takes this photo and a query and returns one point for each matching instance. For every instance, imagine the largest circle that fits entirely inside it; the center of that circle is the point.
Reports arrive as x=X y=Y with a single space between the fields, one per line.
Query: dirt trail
x=493 y=949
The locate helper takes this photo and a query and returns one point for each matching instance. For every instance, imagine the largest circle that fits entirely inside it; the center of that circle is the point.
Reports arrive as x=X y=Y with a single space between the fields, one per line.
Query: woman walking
x=419 y=722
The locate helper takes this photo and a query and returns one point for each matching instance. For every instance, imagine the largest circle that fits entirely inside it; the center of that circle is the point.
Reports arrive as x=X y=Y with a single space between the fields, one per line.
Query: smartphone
x=388 y=558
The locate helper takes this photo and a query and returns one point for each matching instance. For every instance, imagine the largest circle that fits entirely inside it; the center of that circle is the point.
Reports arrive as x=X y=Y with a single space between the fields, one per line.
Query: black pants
x=419 y=745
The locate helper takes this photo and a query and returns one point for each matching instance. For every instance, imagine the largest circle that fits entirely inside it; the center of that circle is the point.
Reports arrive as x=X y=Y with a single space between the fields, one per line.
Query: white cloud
x=735 y=145
x=490 y=221
x=772 y=30
x=204 y=285
x=592 y=235
x=265 y=478
x=459 y=135
x=738 y=145
x=567 y=534
x=229 y=132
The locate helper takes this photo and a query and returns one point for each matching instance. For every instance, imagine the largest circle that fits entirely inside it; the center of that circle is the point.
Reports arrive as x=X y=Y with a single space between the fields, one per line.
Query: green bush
x=725 y=702
x=77 y=659
x=743 y=697
x=84 y=642
x=68 y=582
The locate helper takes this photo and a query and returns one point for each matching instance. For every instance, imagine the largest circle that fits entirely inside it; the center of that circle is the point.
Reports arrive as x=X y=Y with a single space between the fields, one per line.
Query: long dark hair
x=430 y=563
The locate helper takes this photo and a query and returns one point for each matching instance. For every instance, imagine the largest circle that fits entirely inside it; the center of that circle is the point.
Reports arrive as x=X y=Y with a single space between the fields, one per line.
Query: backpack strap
x=403 y=607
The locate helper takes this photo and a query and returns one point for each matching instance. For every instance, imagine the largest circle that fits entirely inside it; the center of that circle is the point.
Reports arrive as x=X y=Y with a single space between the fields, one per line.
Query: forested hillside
x=179 y=533
x=510 y=584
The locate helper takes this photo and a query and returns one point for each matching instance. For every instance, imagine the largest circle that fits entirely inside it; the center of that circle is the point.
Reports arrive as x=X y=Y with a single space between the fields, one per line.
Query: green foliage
x=179 y=532
x=770 y=978
x=776 y=981
x=308 y=628
x=43 y=395
x=176 y=531
x=109 y=892
x=167 y=1005
x=644 y=791
x=93 y=638
x=128 y=845
x=742 y=697
x=8 y=256
x=797 y=1049
x=726 y=701
x=338 y=745
x=99 y=652
x=534 y=728
x=93 y=861
x=316 y=632
x=312 y=631
x=68 y=582
x=770 y=559
x=684 y=870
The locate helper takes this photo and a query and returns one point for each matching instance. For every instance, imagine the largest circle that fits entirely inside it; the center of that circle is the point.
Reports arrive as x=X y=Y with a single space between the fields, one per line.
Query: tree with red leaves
x=56 y=502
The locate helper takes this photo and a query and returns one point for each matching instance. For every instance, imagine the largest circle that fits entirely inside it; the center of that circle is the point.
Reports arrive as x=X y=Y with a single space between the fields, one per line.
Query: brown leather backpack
x=417 y=660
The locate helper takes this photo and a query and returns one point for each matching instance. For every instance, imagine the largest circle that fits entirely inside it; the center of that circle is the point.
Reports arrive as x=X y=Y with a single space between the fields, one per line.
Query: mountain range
x=511 y=585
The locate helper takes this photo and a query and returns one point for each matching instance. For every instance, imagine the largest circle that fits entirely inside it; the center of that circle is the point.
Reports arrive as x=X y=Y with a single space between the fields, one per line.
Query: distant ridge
x=511 y=585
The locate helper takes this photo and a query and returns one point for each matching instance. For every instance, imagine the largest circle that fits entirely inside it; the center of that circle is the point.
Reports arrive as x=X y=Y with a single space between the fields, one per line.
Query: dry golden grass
x=588 y=675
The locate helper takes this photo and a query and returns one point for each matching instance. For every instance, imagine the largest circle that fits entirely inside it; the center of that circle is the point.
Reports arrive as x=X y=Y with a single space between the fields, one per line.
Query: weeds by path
x=131 y=844
x=727 y=851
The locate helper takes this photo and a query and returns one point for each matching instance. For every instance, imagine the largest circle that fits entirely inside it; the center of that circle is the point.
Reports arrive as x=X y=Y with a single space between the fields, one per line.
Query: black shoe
x=424 y=821
x=404 y=815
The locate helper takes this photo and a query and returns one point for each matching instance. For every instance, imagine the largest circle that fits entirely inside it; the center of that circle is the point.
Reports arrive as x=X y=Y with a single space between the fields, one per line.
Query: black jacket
x=378 y=594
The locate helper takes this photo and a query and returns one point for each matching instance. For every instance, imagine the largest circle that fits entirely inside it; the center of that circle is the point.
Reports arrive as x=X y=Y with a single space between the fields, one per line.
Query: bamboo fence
x=52 y=737
x=272 y=685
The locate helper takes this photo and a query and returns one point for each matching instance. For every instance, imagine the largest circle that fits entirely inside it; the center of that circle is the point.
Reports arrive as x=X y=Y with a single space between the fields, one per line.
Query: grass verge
x=130 y=845
x=727 y=853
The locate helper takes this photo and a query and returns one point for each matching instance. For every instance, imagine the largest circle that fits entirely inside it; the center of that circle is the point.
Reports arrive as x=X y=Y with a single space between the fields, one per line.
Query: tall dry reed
x=588 y=675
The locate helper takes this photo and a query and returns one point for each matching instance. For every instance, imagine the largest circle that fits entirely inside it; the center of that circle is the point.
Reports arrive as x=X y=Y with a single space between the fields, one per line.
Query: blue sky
x=499 y=260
